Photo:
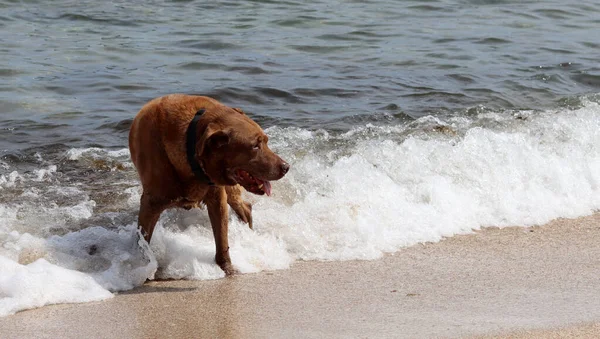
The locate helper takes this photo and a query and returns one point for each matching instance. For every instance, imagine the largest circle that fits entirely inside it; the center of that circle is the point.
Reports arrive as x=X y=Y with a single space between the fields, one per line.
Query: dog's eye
x=256 y=146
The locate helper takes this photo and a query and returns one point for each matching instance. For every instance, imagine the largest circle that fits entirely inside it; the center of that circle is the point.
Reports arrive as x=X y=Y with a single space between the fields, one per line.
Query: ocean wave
x=352 y=195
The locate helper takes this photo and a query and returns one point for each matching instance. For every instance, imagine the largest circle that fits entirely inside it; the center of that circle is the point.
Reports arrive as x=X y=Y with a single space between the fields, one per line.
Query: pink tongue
x=267 y=187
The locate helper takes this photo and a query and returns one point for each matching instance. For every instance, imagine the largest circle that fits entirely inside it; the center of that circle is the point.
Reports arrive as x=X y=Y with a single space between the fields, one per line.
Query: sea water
x=403 y=122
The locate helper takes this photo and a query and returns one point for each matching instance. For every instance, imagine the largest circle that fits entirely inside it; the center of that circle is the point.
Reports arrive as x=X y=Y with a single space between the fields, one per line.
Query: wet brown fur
x=226 y=141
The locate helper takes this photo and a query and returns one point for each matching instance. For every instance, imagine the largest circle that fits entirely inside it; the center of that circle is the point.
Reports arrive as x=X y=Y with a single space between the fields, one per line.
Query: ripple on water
x=591 y=80
x=108 y=20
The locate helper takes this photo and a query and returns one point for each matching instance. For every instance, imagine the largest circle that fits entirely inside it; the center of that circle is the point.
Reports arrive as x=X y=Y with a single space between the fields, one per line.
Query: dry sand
x=512 y=283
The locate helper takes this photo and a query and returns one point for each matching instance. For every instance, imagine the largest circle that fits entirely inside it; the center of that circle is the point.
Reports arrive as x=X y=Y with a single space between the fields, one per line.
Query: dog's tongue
x=267 y=187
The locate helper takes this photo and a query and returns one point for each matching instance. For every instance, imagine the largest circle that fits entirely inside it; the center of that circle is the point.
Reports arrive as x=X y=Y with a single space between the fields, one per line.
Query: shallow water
x=404 y=122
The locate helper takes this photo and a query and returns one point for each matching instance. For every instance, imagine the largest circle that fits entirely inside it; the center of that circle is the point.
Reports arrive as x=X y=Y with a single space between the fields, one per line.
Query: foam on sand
x=42 y=283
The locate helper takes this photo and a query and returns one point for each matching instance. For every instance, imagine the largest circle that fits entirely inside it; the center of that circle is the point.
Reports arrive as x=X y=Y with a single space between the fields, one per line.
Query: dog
x=190 y=150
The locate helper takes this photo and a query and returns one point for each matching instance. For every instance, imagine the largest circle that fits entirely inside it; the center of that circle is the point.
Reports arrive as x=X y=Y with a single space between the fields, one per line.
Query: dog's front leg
x=216 y=204
x=234 y=200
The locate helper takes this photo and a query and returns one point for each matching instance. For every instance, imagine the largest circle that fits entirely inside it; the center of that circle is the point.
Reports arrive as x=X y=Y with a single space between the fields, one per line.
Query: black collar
x=190 y=146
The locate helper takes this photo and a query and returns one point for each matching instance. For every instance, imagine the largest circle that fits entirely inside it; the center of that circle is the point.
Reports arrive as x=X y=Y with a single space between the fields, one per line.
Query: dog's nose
x=285 y=167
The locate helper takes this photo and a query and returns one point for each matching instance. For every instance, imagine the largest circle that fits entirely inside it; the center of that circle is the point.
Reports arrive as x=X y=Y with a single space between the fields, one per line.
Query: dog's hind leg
x=150 y=210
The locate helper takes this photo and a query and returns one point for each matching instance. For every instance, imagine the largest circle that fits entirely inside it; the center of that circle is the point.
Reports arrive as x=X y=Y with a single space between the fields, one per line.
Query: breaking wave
x=353 y=195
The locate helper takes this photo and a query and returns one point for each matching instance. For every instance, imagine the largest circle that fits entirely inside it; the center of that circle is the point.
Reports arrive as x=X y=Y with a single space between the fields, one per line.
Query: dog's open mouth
x=251 y=183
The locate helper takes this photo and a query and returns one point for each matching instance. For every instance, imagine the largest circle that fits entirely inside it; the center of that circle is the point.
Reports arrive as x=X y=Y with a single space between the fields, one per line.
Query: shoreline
x=513 y=282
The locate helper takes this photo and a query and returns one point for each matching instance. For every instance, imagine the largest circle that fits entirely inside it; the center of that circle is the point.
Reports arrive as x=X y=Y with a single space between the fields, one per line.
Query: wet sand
x=512 y=283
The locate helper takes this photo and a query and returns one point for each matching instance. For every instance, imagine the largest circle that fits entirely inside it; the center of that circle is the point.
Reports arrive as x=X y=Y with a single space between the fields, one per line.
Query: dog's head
x=233 y=149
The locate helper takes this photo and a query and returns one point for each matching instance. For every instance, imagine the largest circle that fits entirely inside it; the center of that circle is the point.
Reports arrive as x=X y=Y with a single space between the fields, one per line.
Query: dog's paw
x=244 y=212
x=229 y=269
x=224 y=262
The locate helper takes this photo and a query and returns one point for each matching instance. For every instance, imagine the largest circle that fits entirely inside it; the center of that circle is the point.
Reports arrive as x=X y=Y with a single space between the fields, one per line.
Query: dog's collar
x=190 y=146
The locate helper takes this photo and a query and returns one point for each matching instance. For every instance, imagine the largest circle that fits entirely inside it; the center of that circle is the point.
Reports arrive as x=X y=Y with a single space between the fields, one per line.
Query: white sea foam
x=96 y=153
x=44 y=173
x=118 y=260
x=37 y=269
x=352 y=196
x=184 y=247
x=10 y=180
x=42 y=283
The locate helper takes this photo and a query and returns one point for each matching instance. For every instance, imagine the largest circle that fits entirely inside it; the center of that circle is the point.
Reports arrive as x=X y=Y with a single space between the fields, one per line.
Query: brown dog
x=190 y=150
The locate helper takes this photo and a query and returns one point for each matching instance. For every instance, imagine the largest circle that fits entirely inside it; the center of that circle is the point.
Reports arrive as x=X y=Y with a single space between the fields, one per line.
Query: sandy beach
x=510 y=283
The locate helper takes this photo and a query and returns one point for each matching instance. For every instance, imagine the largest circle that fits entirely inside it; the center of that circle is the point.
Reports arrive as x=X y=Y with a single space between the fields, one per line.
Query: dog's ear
x=239 y=110
x=211 y=138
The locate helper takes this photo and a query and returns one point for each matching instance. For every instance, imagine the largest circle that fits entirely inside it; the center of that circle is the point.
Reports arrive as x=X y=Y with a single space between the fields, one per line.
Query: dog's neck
x=190 y=146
